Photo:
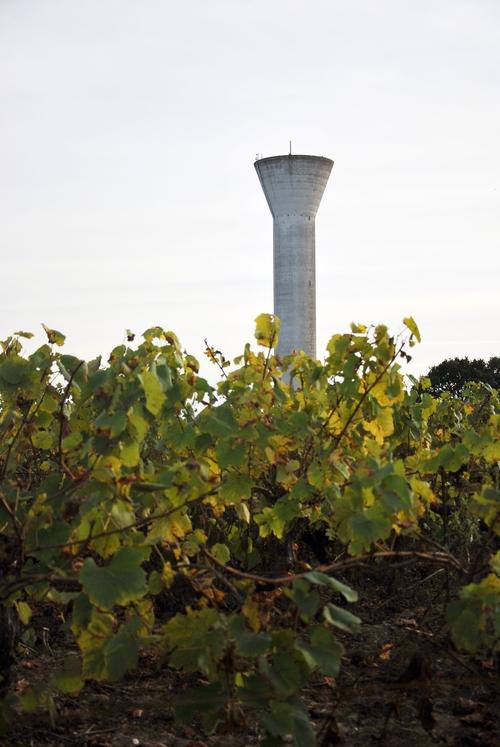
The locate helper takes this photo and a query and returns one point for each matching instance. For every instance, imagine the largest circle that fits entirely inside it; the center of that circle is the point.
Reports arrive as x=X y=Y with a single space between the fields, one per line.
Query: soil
x=402 y=683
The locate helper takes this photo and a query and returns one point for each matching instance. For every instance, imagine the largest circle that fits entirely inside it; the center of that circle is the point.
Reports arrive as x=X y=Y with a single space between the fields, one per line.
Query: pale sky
x=128 y=196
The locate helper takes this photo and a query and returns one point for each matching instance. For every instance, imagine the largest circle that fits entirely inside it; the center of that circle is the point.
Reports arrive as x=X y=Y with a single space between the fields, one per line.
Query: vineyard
x=302 y=553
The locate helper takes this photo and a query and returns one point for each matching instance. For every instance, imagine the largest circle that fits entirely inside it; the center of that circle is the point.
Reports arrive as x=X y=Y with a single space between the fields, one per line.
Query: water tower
x=293 y=186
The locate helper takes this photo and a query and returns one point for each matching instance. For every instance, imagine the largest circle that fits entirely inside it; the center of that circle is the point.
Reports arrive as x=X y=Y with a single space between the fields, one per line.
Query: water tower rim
x=294 y=156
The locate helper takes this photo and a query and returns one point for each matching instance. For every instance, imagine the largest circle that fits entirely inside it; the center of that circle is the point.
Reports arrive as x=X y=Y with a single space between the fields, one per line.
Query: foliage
x=117 y=480
x=454 y=373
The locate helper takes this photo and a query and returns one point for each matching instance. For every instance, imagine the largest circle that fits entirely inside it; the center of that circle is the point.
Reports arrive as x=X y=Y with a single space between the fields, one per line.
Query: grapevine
x=118 y=479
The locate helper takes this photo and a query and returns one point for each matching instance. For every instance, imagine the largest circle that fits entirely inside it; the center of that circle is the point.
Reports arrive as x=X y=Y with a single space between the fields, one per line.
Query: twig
x=139 y=524
x=222 y=579
x=213 y=358
x=271 y=342
x=367 y=391
x=61 y=413
x=24 y=420
x=410 y=588
x=442 y=558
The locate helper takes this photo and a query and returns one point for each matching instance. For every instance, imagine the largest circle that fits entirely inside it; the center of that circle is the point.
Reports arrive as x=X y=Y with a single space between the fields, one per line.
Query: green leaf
x=121 y=654
x=495 y=562
x=248 y=643
x=302 y=729
x=138 y=422
x=278 y=720
x=26 y=335
x=220 y=552
x=368 y=527
x=14 y=370
x=341 y=618
x=130 y=454
x=81 y=614
x=32 y=698
x=316 y=476
x=42 y=439
x=465 y=622
x=111 y=425
x=322 y=579
x=120 y=582
x=287 y=672
x=230 y=454
x=72 y=441
x=306 y=600
x=107 y=656
x=42 y=541
x=155 y=396
x=235 y=487
x=284 y=718
x=207 y=702
x=197 y=641
x=170 y=528
x=323 y=651
x=69 y=679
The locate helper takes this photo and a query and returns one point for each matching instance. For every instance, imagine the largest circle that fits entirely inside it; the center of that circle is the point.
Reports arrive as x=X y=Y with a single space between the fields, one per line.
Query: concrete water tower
x=293 y=186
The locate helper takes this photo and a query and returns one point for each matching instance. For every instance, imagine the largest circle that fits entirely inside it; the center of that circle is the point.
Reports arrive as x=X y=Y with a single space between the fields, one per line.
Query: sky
x=128 y=196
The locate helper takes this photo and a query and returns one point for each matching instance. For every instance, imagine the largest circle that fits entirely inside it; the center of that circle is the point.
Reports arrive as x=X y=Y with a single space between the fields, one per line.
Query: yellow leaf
x=267 y=329
x=243 y=512
x=409 y=322
x=368 y=497
x=107 y=469
x=251 y=611
x=382 y=426
x=492 y=452
x=271 y=456
x=168 y=575
x=358 y=328
x=422 y=489
x=384 y=399
x=24 y=611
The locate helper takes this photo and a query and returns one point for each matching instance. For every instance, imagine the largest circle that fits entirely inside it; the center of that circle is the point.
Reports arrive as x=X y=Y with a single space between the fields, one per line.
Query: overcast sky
x=128 y=196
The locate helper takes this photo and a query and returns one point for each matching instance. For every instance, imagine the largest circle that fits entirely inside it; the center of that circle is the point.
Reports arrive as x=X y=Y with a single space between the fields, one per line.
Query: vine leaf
x=322 y=579
x=341 y=618
x=410 y=322
x=120 y=582
x=54 y=337
x=69 y=678
x=153 y=391
x=267 y=329
x=107 y=656
x=221 y=552
x=324 y=652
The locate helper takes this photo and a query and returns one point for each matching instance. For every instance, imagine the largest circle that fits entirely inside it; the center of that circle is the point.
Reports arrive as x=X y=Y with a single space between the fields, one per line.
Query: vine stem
x=139 y=524
x=438 y=557
x=271 y=343
x=28 y=414
x=61 y=414
x=213 y=357
x=365 y=394
x=73 y=583
x=337 y=439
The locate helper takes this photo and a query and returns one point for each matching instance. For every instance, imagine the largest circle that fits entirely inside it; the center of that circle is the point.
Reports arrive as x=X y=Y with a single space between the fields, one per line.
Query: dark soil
x=402 y=683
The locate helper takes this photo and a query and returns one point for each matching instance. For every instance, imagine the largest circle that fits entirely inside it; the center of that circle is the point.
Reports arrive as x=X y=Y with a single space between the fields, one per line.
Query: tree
x=453 y=373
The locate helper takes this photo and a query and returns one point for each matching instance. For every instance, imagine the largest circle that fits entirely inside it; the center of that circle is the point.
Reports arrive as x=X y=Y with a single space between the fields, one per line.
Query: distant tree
x=453 y=373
